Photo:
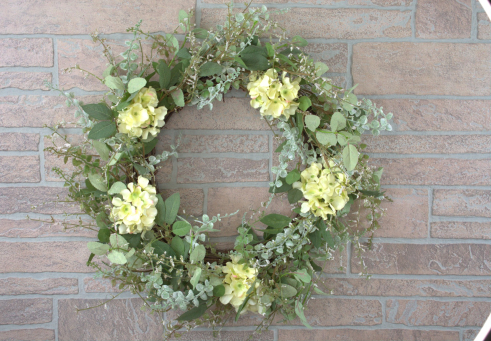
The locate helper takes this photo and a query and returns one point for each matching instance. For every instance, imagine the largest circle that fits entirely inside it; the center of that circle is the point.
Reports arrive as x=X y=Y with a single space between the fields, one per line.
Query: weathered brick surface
x=30 y=17
x=438 y=114
x=407 y=287
x=50 y=257
x=203 y=170
x=164 y=171
x=363 y=335
x=19 y=141
x=483 y=26
x=333 y=55
x=109 y=322
x=443 y=19
x=223 y=144
x=451 y=172
x=470 y=334
x=191 y=200
x=26 y=311
x=19 y=169
x=24 y=80
x=24 y=228
x=225 y=336
x=435 y=313
x=426 y=259
x=45 y=200
x=37 y=334
x=324 y=2
x=460 y=229
x=456 y=202
x=27 y=51
x=48 y=286
x=422 y=69
x=99 y=285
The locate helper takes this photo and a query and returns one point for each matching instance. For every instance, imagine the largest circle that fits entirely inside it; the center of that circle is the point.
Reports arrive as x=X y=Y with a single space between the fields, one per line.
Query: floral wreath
x=146 y=247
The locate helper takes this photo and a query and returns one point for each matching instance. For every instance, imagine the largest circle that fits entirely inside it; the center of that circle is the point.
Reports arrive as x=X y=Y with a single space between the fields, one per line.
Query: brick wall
x=428 y=61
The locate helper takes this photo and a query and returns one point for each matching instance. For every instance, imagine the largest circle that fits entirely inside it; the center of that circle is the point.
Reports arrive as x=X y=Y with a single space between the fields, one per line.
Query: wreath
x=146 y=247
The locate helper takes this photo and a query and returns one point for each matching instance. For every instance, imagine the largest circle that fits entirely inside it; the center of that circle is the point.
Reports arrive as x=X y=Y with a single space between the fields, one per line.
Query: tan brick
x=226 y=200
x=225 y=336
x=118 y=319
x=333 y=55
x=426 y=259
x=223 y=144
x=422 y=69
x=50 y=257
x=323 y=2
x=436 y=313
x=27 y=51
x=233 y=113
x=30 y=229
x=406 y=287
x=45 y=200
x=37 y=334
x=26 y=311
x=203 y=170
x=460 y=229
x=19 y=169
x=24 y=80
x=427 y=144
x=52 y=17
x=443 y=19
x=19 y=141
x=164 y=171
x=456 y=202
x=191 y=200
x=324 y=23
x=438 y=114
x=483 y=26
x=337 y=265
x=364 y=335
x=99 y=285
x=48 y=286
x=470 y=334
x=451 y=172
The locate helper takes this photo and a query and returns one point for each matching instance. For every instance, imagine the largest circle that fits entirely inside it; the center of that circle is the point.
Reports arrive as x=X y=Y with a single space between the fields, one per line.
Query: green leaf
x=338 y=121
x=178 y=97
x=98 y=248
x=345 y=209
x=122 y=105
x=280 y=147
x=377 y=175
x=90 y=259
x=107 y=71
x=312 y=122
x=329 y=239
x=294 y=195
x=276 y=220
x=287 y=291
x=198 y=254
x=102 y=130
x=136 y=84
x=150 y=145
x=101 y=219
x=319 y=291
x=171 y=207
x=315 y=238
x=182 y=15
x=102 y=149
x=183 y=53
x=299 y=120
x=342 y=140
x=141 y=169
x=219 y=290
x=255 y=62
x=327 y=139
x=303 y=276
x=133 y=239
x=98 y=111
x=117 y=257
x=164 y=74
x=98 y=182
x=299 y=311
x=255 y=50
x=181 y=228
x=210 y=69
x=240 y=61
x=292 y=176
x=194 y=313
x=350 y=157
x=299 y=41
x=320 y=68
x=304 y=103
x=103 y=235
x=116 y=188
x=160 y=248
x=270 y=50
x=160 y=218
x=177 y=245
x=200 y=33
x=374 y=194
x=114 y=83
x=175 y=74
x=118 y=241
x=195 y=279
x=284 y=188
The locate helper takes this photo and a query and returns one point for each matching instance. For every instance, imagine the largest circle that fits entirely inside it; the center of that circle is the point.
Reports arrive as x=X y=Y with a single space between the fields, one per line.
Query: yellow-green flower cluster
x=325 y=188
x=142 y=117
x=136 y=212
x=272 y=96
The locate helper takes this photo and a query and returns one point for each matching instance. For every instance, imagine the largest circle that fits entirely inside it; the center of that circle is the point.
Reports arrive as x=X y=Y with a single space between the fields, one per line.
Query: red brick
x=438 y=114
x=19 y=169
x=31 y=229
x=406 y=287
x=225 y=336
x=191 y=200
x=116 y=320
x=49 y=256
x=333 y=55
x=223 y=144
x=443 y=19
x=25 y=80
x=483 y=26
x=426 y=259
x=460 y=229
x=203 y=170
x=457 y=202
x=26 y=311
x=25 y=52
x=37 y=334
x=45 y=200
x=19 y=141
x=164 y=171
x=323 y=2
x=99 y=285
x=52 y=17
x=437 y=313
x=48 y=286
x=451 y=172
x=364 y=335
x=422 y=69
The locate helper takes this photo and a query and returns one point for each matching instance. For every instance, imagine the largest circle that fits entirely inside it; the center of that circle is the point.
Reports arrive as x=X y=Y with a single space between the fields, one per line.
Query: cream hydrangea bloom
x=325 y=189
x=136 y=212
x=142 y=117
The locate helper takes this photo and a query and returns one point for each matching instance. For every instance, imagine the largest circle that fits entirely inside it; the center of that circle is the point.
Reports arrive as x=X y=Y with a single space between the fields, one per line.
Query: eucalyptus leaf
x=195 y=279
x=200 y=33
x=302 y=275
x=178 y=97
x=136 y=84
x=117 y=257
x=342 y=140
x=299 y=41
x=299 y=311
x=103 y=235
x=338 y=121
x=276 y=220
x=97 y=248
x=198 y=254
x=350 y=157
x=327 y=139
x=320 y=68
x=287 y=291
x=116 y=188
x=312 y=122
x=304 y=103
x=102 y=149
x=181 y=228
x=114 y=83
x=98 y=182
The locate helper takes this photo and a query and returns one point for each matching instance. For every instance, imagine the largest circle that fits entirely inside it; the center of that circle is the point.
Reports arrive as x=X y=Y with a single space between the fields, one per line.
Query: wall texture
x=427 y=61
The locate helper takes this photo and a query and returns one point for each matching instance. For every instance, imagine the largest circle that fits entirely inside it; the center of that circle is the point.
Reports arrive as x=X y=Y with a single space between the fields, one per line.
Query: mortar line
x=413 y=18
x=430 y=210
x=305 y=5
x=55 y=317
x=474 y=22
x=349 y=75
x=271 y=155
x=198 y=13
x=56 y=76
x=205 y=200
